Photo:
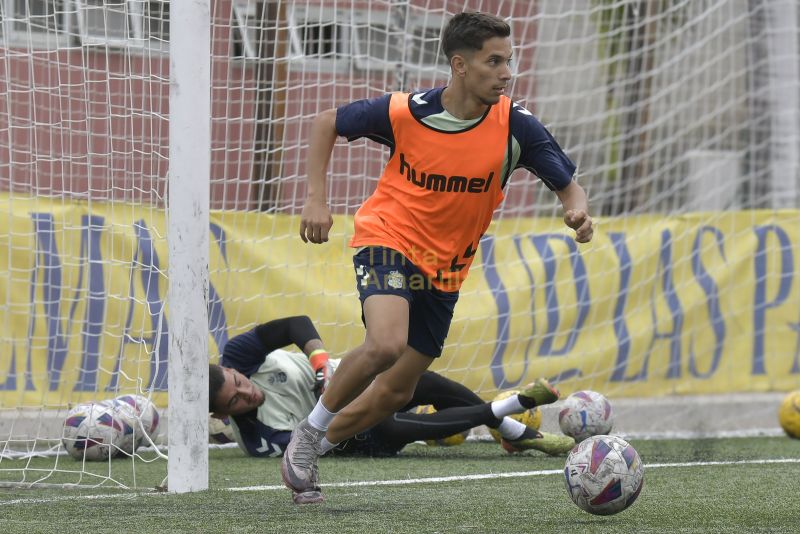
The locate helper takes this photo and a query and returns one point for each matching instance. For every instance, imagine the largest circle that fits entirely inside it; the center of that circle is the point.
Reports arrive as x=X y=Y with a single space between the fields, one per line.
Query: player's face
x=238 y=394
x=488 y=71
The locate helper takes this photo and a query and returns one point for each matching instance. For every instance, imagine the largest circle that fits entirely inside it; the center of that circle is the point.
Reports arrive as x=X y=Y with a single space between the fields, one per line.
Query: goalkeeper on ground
x=266 y=391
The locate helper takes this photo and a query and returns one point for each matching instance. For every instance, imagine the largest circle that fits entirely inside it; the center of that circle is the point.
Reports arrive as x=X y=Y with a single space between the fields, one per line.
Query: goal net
x=682 y=117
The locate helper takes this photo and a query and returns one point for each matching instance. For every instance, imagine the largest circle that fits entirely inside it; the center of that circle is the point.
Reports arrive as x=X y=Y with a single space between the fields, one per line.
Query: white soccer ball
x=146 y=412
x=96 y=432
x=127 y=419
x=220 y=431
x=604 y=475
x=585 y=413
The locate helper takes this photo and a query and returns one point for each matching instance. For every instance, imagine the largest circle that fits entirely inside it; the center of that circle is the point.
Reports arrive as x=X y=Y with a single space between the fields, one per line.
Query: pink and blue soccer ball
x=220 y=430
x=146 y=413
x=604 y=475
x=585 y=413
x=96 y=432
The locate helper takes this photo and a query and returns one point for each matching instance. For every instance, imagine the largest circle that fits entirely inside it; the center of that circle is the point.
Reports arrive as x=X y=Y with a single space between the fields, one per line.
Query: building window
x=381 y=41
x=245 y=29
x=324 y=39
x=124 y=23
x=104 y=22
x=38 y=23
x=319 y=38
x=59 y=23
x=155 y=21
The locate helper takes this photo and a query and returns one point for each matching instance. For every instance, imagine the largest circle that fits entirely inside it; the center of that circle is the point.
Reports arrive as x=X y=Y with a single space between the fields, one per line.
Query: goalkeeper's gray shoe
x=299 y=465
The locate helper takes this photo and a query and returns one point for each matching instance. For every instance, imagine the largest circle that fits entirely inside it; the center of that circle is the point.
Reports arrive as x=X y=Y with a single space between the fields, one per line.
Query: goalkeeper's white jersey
x=287 y=380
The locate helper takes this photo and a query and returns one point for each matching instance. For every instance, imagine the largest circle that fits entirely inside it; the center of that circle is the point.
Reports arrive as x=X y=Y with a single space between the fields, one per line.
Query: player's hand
x=581 y=222
x=315 y=222
x=319 y=363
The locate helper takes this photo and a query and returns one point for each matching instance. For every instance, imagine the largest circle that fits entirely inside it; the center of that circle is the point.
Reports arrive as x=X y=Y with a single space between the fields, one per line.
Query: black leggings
x=457 y=409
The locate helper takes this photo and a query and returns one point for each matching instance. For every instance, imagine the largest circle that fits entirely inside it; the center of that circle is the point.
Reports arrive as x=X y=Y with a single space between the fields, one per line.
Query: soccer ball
x=531 y=418
x=603 y=475
x=449 y=441
x=125 y=416
x=220 y=431
x=789 y=414
x=146 y=412
x=96 y=432
x=585 y=413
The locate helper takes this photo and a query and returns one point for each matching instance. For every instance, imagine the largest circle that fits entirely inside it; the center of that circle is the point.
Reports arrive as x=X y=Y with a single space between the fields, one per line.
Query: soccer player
x=267 y=391
x=452 y=151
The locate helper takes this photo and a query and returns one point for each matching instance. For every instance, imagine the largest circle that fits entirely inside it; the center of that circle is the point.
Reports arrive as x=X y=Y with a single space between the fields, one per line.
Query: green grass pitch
x=721 y=485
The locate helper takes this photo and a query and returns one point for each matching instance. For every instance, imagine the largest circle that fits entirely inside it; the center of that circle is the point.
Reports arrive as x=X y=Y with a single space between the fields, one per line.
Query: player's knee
x=394 y=398
x=383 y=353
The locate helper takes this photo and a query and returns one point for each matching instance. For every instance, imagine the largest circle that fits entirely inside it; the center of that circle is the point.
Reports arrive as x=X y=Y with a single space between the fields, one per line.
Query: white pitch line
x=407 y=481
x=403 y=481
x=67 y=498
x=514 y=474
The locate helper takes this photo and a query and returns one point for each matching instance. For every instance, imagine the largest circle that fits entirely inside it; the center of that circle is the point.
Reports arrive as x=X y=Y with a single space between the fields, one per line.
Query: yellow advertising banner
x=701 y=303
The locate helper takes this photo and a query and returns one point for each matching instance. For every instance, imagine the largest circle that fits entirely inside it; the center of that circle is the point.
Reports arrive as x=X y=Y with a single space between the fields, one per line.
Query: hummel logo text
x=439 y=182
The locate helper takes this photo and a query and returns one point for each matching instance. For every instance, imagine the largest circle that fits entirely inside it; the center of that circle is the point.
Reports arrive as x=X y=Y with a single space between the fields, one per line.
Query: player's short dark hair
x=216 y=378
x=469 y=30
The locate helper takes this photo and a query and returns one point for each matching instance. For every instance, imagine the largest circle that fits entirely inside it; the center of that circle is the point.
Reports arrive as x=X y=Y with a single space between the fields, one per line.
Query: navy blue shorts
x=383 y=271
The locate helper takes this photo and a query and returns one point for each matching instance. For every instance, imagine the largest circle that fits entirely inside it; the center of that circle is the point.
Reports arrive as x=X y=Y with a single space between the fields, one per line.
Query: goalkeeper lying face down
x=266 y=391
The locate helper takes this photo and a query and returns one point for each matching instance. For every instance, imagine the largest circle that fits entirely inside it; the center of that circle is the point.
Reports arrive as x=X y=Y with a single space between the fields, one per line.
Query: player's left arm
x=576 y=211
x=541 y=154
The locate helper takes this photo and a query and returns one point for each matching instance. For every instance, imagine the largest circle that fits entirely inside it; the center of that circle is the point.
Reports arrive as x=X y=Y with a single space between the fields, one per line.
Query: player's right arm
x=362 y=118
x=316 y=219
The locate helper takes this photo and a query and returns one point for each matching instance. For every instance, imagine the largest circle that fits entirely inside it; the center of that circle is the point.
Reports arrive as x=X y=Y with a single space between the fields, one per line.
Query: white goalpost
x=188 y=200
x=152 y=173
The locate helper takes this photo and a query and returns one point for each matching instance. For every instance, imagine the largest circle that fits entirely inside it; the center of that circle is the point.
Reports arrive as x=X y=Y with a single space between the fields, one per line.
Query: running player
x=452 y=151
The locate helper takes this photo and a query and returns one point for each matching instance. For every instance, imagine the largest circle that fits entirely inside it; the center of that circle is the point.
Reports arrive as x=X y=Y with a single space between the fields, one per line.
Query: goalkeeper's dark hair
x=469 y=30
x=216 y=378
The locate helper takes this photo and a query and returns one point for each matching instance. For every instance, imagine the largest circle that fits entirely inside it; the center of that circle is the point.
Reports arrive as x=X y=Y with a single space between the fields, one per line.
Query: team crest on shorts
x=396 y=280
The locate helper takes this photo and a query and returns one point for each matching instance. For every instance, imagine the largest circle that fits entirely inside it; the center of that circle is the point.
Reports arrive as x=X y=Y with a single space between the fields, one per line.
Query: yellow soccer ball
x=449 y=441
x=531 y=418
x=789 y=414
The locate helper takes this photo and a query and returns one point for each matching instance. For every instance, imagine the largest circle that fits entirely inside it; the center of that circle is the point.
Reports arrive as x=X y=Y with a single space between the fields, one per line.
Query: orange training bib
x=438 y=192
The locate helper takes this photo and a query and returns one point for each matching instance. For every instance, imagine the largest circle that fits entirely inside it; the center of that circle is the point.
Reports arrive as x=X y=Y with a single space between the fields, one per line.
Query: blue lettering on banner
x=47 y=274
x=674 y=305
x=760 y=303
x=92 y=332
x=549 y=259
x=664 y=272
x=500 y=296
x=532 y=285
x=711 y=291
x=146 y=261
x=47 y=277
x=796 y=365
x=217 y=322
x=11 y=378
x=620 y=326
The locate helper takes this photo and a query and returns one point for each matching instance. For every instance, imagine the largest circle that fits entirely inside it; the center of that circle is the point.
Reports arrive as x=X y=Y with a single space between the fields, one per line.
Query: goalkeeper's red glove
x=319 y=363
